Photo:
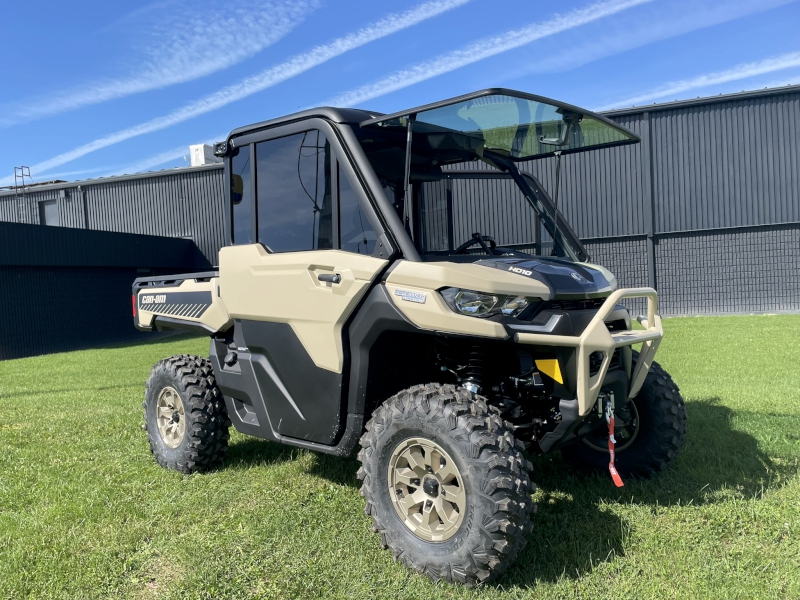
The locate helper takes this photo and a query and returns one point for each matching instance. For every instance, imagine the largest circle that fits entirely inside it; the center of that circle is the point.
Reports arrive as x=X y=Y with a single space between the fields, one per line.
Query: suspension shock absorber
x=475 y=370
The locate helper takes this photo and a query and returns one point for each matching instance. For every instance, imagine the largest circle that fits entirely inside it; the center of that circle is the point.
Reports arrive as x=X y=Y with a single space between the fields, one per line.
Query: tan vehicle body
x=250 y=278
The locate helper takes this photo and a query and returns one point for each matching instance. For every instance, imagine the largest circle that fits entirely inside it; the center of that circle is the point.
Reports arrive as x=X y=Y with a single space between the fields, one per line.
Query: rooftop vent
x=202 y=154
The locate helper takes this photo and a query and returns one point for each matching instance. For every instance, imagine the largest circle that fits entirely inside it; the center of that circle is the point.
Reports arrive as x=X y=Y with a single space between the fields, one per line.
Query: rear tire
x=482 y=538
x=185 y=416
x=658 y=438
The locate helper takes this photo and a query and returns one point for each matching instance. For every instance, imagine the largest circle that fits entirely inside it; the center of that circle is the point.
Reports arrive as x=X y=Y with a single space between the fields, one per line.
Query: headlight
x=481 y=304
x=467 y=302
x=514 y=306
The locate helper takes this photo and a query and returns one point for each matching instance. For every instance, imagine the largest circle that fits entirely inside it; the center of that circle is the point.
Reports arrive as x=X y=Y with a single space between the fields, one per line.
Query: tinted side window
x=241 y=197
x=294 y=192
x=356 y=232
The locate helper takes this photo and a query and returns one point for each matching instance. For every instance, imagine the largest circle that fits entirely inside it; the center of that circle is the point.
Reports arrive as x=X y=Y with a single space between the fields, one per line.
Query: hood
x=566 y=280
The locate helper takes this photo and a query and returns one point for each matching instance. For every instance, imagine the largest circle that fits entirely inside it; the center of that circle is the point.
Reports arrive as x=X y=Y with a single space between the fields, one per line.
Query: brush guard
x=597 y=338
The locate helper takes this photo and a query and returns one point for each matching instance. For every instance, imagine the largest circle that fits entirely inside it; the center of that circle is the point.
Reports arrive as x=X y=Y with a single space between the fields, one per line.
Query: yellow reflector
x=550 y=368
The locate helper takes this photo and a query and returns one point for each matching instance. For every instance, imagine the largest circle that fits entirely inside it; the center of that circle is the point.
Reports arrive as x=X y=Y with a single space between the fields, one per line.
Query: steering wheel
x=477 y=238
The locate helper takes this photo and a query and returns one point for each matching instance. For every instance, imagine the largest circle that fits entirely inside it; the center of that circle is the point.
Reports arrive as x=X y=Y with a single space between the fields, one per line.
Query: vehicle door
x=304 y=253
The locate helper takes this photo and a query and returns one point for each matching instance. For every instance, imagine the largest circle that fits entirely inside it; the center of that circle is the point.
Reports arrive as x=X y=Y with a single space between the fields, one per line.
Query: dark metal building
x=706 y=209
x=179 y=203
x=62 y=289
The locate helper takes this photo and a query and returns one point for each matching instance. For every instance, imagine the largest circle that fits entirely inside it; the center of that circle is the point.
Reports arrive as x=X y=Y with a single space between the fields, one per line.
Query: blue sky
x=93 y=88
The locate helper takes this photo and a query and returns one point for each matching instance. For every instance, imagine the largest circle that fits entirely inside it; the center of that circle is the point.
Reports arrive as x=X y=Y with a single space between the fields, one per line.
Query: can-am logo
x=520 y=271
x=578 y=277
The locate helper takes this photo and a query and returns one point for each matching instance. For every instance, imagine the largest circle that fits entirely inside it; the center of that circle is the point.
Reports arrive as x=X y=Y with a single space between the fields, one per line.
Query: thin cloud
x=162 y=158
x=656 y=23
x=180 y=45
x=473 y=53
x=743 y=71
x=301 y=63
x=482 y=49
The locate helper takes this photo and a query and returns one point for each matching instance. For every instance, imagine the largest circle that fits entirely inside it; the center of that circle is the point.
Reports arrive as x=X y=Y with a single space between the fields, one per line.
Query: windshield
x=423 y=152
x=513 y=125
x=511 y=214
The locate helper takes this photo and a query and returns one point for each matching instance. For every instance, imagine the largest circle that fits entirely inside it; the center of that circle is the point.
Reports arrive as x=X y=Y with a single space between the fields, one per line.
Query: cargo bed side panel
x=188 y=302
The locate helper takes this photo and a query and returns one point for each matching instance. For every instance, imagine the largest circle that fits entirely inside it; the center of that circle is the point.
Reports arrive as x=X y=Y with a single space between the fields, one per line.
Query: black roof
x=337 y=115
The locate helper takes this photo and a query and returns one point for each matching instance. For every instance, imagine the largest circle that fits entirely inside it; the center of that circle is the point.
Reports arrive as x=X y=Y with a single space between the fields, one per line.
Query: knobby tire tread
x=207 y=417
x=505 y=480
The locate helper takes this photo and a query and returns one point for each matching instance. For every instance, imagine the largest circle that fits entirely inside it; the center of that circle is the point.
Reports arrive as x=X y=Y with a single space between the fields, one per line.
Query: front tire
x=446 y=484
x=185 y=416
x=660 y=415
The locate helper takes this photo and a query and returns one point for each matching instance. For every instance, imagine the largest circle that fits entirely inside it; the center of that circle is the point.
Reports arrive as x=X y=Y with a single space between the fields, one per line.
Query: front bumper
x=597 y=338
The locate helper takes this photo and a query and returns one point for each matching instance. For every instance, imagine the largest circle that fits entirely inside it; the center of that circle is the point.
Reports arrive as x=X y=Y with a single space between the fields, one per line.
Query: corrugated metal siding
x=727 y=164
x=746 y=270
x=491 y=206
x=187 y=203
x=63 y=288
x=626 y=258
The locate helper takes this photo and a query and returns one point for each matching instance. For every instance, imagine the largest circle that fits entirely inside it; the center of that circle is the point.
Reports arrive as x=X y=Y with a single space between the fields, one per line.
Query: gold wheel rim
x=426 y=489
x=170 y=417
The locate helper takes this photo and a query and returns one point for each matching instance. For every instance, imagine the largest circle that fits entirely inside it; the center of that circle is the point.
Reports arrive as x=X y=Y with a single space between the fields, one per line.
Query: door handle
x=330 y=277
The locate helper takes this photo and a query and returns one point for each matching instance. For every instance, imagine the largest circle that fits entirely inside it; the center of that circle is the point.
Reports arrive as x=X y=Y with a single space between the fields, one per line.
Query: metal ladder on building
x=23 y=212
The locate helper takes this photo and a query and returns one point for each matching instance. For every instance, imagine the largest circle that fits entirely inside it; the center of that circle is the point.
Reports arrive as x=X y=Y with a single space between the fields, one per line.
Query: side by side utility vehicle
x=401 y=282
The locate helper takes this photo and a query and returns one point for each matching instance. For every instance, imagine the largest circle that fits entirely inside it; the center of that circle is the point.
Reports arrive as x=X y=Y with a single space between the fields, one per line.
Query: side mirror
x=237 y=188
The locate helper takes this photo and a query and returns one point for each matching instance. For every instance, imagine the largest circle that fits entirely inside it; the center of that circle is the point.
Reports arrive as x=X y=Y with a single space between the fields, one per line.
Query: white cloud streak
x=743 y=71
x=196 y=40
x=162 y=158
x=454 y=60
x=484 y=48
x=657 y=22
x=293 y=67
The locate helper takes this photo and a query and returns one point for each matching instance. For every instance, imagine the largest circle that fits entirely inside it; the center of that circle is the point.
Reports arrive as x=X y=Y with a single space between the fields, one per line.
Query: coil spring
x=475 y=370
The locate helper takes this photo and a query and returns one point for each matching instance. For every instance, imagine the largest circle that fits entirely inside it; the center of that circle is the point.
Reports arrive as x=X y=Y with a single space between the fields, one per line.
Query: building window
x=48 y=213
x=241 y=197
x=294 y=192
x=356 y=232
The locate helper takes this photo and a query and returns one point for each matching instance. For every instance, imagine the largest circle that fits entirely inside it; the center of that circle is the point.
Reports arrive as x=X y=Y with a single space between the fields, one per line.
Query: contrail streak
x=291 y=68
x=743 y=71
x=482 y=49
x=184 y=46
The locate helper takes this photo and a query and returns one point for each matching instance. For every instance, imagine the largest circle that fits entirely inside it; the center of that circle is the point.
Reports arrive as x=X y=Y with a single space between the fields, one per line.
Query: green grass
x=86 y=513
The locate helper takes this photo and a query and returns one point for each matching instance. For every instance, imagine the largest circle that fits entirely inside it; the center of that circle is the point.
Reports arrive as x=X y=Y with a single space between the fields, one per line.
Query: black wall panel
x=743 y=270
x=63 y=289
x=54 y=309
x=626 y=258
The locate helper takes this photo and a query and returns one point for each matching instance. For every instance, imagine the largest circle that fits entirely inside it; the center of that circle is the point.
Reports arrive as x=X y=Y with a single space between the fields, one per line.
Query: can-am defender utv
x=399 y=282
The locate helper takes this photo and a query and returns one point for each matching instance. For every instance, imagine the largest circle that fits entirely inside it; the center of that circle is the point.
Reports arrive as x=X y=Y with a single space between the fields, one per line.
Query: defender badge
x=418 y=297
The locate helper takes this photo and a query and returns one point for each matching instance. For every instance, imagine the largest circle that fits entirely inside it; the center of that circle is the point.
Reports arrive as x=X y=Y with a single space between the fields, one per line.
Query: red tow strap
x=611 y=454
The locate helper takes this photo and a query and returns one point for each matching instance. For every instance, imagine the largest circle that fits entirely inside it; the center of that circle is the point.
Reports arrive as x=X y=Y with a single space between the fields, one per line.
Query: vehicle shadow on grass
x=254 y=451
x=575 y=526
x=716 y=461
x=340 y=470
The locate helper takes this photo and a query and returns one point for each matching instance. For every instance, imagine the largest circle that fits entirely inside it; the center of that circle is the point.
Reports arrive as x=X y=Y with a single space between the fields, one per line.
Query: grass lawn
x=86 y=513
